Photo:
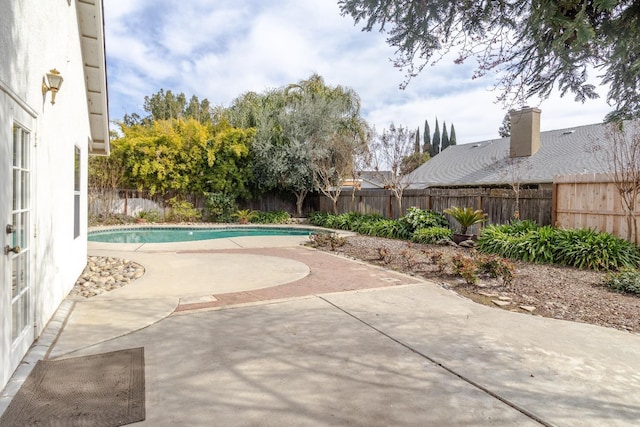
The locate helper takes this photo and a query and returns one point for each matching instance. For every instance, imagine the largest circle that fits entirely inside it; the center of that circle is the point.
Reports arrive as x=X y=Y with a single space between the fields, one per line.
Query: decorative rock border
x=104 y=274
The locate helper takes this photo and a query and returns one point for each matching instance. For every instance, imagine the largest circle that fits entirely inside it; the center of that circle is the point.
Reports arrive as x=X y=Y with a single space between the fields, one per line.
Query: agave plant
x=466 y=217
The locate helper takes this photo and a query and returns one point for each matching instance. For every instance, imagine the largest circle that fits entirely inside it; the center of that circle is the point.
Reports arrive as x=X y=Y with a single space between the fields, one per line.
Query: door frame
x=15 y=111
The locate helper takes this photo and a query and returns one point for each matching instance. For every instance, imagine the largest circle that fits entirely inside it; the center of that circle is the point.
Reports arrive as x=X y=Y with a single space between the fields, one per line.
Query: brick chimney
x=525 y=132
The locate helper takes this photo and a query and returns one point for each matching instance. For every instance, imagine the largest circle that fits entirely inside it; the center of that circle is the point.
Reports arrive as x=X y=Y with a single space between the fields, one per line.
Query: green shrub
x=318 y=218
x=385 y=228
x=624 y=281
x=219 y=207
x=111 y=219
x=150 y=216
x=581 y=248
x=466 y=217
x=431 y=235
x=182 y=211
x=244 y=216
x=417 y=218
x=273 y=217
x=586 y=248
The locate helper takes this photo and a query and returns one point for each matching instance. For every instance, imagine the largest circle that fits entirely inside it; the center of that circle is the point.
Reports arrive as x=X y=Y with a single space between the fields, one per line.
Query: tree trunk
x=300 y=196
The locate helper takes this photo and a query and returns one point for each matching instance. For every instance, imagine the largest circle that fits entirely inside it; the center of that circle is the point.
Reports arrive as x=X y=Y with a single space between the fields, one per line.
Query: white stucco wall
x=36 y=36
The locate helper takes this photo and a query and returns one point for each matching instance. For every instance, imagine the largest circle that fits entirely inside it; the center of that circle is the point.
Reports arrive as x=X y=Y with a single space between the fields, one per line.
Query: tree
x=427 y=147
x=186 y=157
x=307 y=135
x=452 y=136
x=413 y=162
x=166 y=106
x=505 y=128
x=435 y=141
x=512 y=170
x=105 y=177
x=388 y=151
x=531 y=46
x=416 y=146
x=445 y=136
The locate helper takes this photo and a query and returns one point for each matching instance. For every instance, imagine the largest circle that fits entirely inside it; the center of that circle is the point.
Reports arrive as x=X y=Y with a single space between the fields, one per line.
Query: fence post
x=126 y=202
x=554 y=204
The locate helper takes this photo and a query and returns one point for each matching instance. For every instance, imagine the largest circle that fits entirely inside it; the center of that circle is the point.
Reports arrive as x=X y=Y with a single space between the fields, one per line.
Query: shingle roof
x=562 y=152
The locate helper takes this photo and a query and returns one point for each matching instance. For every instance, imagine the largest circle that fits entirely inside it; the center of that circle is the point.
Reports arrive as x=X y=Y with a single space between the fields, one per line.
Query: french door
x=17 y=251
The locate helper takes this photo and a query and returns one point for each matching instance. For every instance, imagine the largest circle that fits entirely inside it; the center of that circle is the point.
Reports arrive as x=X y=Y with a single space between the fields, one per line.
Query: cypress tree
x=445 y=136
x=426 y=147
x=416 y=147
x=436 y=140
x=452 y=136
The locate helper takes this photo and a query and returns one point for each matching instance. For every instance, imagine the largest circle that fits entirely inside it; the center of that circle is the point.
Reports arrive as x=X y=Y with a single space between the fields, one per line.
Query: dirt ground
x=540 y=289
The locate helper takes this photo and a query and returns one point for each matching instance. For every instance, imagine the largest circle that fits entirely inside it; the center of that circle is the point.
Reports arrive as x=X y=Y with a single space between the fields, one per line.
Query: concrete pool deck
x=334 y=341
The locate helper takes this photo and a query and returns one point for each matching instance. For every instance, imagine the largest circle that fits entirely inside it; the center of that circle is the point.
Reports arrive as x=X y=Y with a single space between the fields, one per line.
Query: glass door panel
x=19 y=250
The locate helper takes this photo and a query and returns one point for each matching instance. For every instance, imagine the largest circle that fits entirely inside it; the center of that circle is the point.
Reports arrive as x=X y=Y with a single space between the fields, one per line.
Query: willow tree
x=531 y=46
x=306 y=136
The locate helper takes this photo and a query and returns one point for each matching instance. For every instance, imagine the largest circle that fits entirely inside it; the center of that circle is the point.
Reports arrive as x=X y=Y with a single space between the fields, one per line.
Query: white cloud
x=219 y=50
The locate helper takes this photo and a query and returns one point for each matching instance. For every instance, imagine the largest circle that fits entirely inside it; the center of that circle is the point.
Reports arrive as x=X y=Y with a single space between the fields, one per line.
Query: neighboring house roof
x=91 y=26
x=562 y=152
x=373 y=179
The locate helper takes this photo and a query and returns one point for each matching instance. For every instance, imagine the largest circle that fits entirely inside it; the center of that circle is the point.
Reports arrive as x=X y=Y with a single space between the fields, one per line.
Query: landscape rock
x=104 y=274
x=500 y=303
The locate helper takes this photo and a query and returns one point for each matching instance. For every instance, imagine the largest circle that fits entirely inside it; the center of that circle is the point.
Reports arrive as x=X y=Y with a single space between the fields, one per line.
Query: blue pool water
x=183 y=234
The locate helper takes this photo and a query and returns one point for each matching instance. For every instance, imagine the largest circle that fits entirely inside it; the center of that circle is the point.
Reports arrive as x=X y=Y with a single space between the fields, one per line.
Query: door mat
x=100 y=390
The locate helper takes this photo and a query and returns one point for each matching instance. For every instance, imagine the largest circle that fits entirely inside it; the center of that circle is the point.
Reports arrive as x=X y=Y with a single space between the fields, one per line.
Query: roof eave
x=91 y=28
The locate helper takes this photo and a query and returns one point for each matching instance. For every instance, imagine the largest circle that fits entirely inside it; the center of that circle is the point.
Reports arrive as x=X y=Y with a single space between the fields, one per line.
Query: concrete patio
x=263 y=331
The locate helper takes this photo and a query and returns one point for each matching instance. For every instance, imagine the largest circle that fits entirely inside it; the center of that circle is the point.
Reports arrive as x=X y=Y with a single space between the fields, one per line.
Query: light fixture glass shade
x=55 y=80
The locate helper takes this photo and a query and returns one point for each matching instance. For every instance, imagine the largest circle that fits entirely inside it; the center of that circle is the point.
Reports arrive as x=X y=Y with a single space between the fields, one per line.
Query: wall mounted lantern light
x=52 y=82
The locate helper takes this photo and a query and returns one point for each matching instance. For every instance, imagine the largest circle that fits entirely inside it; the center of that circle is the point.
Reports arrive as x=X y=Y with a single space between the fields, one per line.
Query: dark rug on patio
x=99 y=390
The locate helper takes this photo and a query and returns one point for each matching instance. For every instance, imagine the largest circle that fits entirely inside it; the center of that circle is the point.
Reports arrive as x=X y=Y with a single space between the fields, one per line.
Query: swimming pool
x=188 y=234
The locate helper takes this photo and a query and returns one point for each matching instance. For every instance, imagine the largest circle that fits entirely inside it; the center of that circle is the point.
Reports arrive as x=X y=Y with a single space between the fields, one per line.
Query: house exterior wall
x=34 y=38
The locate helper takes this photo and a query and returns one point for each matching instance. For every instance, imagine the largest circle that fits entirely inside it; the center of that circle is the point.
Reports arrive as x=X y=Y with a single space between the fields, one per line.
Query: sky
x=221 y=49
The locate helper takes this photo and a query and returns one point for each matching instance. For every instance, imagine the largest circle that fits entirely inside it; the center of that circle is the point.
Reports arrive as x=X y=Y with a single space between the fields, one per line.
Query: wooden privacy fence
x=498 y=203
x=591 y=201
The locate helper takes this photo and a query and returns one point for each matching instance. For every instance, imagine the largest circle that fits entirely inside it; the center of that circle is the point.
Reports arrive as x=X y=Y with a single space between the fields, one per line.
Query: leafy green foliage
x=376 y=225
x=581 y=248
x=466 y=217
x=431 y=235
x=185 y=156
x=531 y=46
x=435 y=142
x=273 y=217
x=306 y=136
x=182 y=211
x=423 y=218
x=244 y=216
x=150 y=216
x=218 y=207
x=624 y=281
x=413 y=162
